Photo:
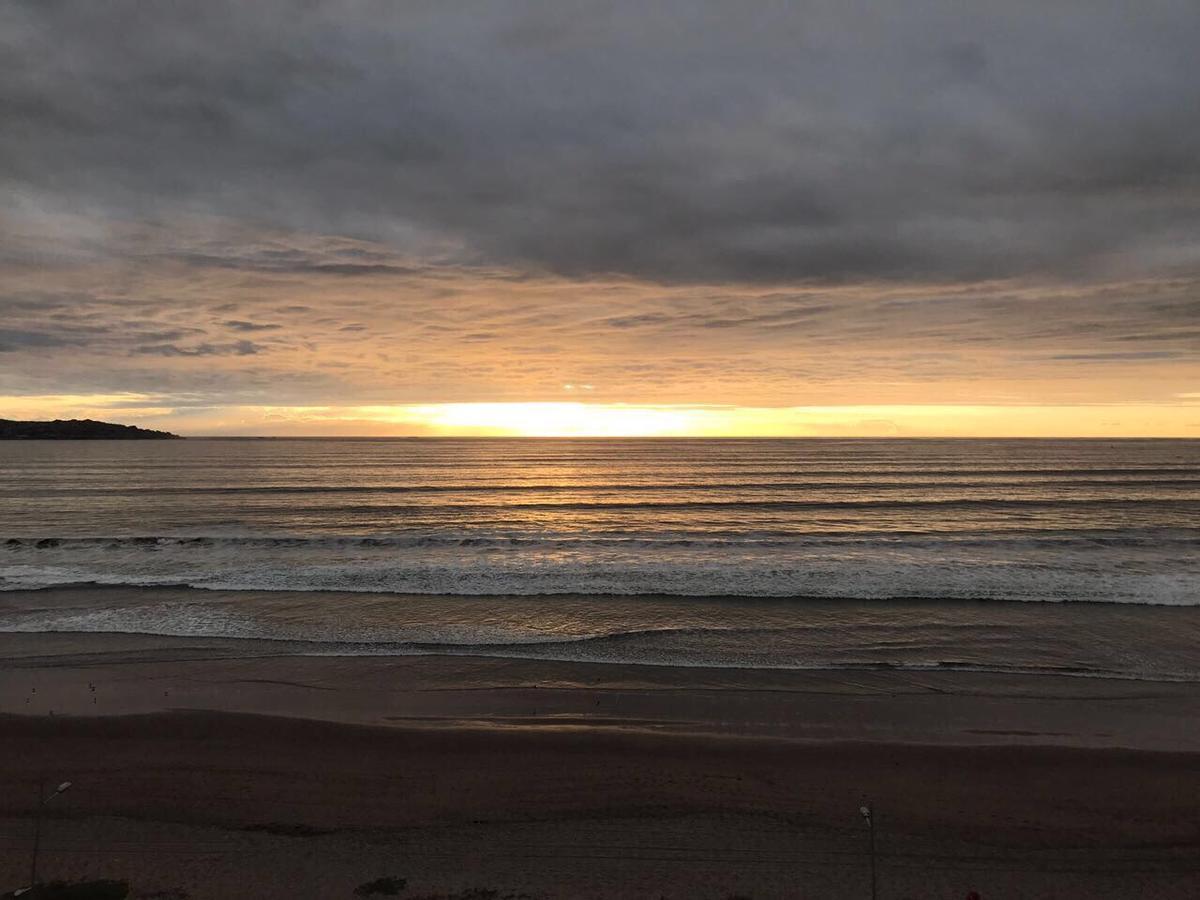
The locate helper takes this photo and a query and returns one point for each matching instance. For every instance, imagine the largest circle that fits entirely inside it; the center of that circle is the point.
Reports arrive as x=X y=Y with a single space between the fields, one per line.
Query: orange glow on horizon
x=557 y=419
x=580 y=419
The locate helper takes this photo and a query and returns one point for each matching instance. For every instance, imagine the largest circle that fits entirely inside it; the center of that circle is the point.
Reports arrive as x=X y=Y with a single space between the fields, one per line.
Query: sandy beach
x=211 y=768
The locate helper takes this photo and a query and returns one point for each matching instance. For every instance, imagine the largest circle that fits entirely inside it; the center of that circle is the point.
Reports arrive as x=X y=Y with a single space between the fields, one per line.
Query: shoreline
x=98 y=675
x=1089 y=640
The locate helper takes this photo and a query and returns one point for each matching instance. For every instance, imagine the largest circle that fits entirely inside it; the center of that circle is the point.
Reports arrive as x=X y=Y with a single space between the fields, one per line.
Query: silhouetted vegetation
x=77 y=430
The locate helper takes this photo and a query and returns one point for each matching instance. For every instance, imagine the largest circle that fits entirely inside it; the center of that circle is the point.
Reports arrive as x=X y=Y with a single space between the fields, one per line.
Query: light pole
x=43 y=799
x=868 y=813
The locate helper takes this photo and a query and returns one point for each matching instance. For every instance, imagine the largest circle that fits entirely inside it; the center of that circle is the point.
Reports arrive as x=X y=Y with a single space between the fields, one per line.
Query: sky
x=718 y=218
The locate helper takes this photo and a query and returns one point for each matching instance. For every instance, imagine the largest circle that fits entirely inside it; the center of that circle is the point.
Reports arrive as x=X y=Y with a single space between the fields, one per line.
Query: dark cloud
x=677 y=142
x=239 y=325
x=296 y=263
x=1137 y=356
x=236 y=348
x=13 y=340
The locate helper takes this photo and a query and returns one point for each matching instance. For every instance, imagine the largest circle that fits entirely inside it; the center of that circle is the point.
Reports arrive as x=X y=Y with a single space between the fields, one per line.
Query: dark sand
x=215 y=768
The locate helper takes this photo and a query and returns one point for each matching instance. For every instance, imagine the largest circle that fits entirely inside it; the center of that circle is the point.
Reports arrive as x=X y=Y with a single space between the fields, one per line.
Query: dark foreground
x=204 y=771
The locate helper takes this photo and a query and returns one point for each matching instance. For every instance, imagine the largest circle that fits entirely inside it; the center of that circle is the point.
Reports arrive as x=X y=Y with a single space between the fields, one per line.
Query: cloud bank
x=775 y=204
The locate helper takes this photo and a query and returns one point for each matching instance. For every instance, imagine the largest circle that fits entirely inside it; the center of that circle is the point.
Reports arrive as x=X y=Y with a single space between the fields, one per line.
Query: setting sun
x=558 y=419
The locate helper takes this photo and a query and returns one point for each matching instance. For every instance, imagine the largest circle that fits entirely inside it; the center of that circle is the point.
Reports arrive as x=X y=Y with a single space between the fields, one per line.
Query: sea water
x=778 y=553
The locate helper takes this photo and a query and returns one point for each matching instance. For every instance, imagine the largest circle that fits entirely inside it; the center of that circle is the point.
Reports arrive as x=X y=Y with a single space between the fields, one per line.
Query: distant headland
x=78 y=430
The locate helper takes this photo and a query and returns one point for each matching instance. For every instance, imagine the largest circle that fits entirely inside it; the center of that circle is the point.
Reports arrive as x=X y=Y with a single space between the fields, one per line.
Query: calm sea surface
x=777 y=553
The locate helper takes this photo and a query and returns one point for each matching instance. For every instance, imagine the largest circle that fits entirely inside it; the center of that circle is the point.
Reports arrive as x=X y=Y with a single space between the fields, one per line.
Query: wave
x=949 y=503
x=1158 y=566
x=859 y=484
x=848 y=581
x=709 y=648
x=745 y=540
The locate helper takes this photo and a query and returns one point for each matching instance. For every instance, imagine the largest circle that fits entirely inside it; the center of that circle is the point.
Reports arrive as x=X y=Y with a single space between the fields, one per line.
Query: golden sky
x=579 y=419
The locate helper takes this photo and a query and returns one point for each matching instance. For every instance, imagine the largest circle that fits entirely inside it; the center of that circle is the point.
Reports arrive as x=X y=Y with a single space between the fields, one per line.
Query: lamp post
x=868 y=813
x=43 y=799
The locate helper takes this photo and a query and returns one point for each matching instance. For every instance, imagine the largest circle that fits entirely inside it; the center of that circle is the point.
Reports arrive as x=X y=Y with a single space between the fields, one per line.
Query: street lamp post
x=868 y=813
x=43 y=799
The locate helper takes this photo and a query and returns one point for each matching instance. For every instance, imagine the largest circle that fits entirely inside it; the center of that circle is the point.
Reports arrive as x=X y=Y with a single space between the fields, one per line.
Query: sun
x=562 y=419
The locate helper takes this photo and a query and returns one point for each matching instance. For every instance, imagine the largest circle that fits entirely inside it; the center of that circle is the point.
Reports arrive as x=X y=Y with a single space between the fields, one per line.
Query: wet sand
x=218 y=769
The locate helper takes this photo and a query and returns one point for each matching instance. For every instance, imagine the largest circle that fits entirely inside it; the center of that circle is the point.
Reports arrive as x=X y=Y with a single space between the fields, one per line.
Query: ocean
x=1067 y=557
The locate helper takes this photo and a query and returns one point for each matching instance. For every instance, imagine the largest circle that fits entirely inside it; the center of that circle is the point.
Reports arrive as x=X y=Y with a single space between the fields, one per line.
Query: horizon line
x=680 y=437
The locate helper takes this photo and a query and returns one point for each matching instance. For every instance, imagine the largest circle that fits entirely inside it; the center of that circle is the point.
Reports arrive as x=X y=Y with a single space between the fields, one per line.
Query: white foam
x=1132 y=567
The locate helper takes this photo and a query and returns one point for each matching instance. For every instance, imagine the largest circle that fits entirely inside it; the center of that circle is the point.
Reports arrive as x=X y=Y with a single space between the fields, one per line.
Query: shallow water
x=1093 y=640
x=798 y=553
